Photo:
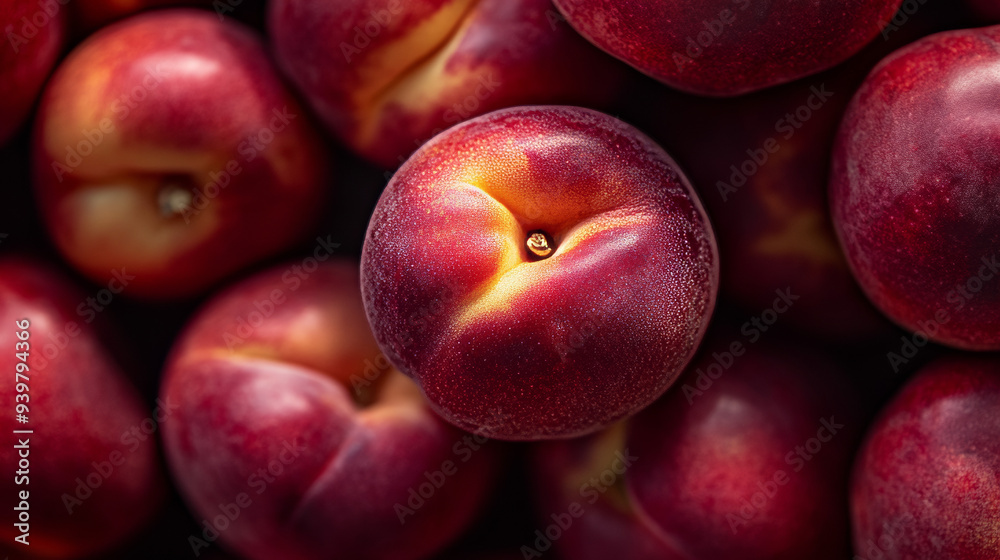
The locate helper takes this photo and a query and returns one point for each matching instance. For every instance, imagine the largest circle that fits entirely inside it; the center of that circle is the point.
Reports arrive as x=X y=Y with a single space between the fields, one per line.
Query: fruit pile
x=499 y=279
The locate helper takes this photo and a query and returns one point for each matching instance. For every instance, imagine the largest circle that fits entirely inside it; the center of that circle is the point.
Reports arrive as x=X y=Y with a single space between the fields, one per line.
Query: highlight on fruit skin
x=729 y=47
x=925 y=479
x=27 y=56
x=86 y=454
x=280 y=371
x=385 y=76
x=162 y=147
x=913 y=188
x=516 y=347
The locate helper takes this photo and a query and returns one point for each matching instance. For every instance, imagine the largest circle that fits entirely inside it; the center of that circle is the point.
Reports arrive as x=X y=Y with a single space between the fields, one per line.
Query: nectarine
x=747 y=456
x=85 y=471
x=387 y=75
x=34 y=33
x=294 y=437
x=925 y=483
x=729 y=47
x=541 y=272
x=167 y=145
x=914 y=188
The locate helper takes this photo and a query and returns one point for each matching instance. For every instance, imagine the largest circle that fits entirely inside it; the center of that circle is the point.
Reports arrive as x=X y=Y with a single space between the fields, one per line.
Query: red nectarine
x=167 y=145
x=387 y=75
x=926 y=481
x=296 y=439
x=87 y=474
x=729 y=47
x=540 y=271
x=914 y=187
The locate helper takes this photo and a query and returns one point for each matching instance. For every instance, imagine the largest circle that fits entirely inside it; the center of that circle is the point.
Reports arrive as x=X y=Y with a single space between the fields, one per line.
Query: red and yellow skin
x=25 y=62
x=141 y=198
x=925 y=481
x=913 y=187
x=429 y=64
x=309 y=375
x=521 y=348
x=751 y=44
x=695 y=458
x=82 y=410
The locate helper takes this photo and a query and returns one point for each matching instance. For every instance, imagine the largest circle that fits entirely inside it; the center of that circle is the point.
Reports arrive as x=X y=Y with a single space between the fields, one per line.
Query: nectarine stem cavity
x=174 y=199
x=540 y=244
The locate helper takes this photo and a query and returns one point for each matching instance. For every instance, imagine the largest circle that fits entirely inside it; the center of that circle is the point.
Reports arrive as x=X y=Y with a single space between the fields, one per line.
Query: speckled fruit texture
x=926 y=480
x=523 y=349
x=915 y=192
x=728 y=47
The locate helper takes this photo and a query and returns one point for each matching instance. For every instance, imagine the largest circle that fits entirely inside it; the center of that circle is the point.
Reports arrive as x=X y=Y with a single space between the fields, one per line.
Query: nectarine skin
x=913 y=187
x=167 y=145
x=32 y=41
x=925 y=483
x=716 y=468
x=520 y=348
x=387 y=75
x=289 y=414
x=729 y=47
x=91 y=481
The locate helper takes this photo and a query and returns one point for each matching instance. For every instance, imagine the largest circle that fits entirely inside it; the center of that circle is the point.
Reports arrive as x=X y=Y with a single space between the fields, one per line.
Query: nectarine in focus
x=541 y=272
